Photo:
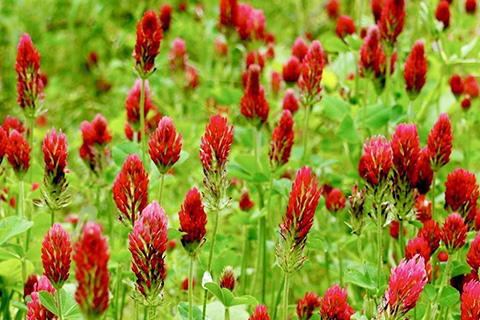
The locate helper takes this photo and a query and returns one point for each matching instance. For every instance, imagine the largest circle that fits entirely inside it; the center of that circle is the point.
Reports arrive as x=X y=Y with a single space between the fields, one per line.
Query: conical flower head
x=132 y=104
x=440 y=142
x=405 y=285
x=227 y=279
x=392 y=20
x=147 y=244
x=418 y=246
x=56 y=255
x=130 y=190
x=245 y=203
x=473 y=255
x=96 y=136
x=165 y=145
x=471 y=87
x=307 y=305
x=35 y=309
x=335 y=200
x=91 y=259
x=282 y=141
x=424 y=174
x=406 y=150
x=18 y=153
x=461 y=193
x=29 y=81
x=228 y=13
x=345 y=26
x=431 y=232
x=300 y=48
x=254 y=105
x=149 y=35
x=456 y=84
x=415 y=69
x=290 y=101
x=261 y=313
x=423 y=209
x=377 y=6
x=470 y=308
x=334 y=305
x=376 y=161
x=454 y=232
x=369 y=51
x=442 y=13
x=291 y=70
x=165 y=16
x=312 y=72
x=31 y=282
x=12 y=123
x=193 y=220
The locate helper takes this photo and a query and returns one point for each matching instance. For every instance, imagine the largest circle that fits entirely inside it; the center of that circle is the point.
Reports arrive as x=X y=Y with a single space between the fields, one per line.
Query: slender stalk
x=31 y=122
x=136 y=306
x=160 y=191
x=360 y=251
x=117 y=290
x=305 y=131
x=142 y=122
x=365 y=103
x=446 y=276
x=379 y=244
x=285 y=296
x=277 y=299
x=52 y=216
x=258 y=262
x=59 y=305
x=433 y=193
x=410 y=110
x=190 y=288
x=21 y=206
x=401 y=238
x=152 y=312
x=466 y=152
x=227 y=313
x=124 y=294
x=340 y=264
x=243 y=275
x=387 y=87
x=263 y=236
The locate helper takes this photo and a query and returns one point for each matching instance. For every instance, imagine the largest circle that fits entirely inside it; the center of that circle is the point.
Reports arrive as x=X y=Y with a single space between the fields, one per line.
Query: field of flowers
x=260 y=160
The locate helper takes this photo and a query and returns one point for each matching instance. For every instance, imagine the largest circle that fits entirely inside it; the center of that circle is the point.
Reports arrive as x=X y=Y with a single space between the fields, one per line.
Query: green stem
x=142 y=123
x=117 y=290
x=433 y=193
x=263 y=236
x=410 y=110
x=152 y=313
x=52 y=216
x=227 y=313
x=379 y=244
x=277 y=300
x=446 y=276
x=365 y=103
x=340 y=264
x=124 y=294
x=160 y=191
x=387 y=87
x=305 y=132
x=21 y=204
x=285 y=296
x=401 y=238
x=31 y=123
x=59 y=305
x=190 y=288
x=360 y=251
x=243 y=276
x=258 y=262
x=467 y=145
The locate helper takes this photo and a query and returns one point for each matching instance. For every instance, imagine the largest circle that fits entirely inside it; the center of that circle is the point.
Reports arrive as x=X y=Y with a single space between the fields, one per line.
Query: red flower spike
x=456 y=84
x=35 y=309
x=466 y=103
x=227 y=279
x=431 y=232
x=440 y=142
x=471 y=86
x=215 y=144
x=423 y=209
x=250 y=23
x=394 y=229
x=454 y=232
x=12 y=123
x=418 y=246
x=345 y=26
x=130 y=190
x=165 y=16
x=96 y=136
x=260 y=313
x=377 y=6
x=147 y=243
x=473 y=255
x=470 y=308
x=312 y=71
x=255 y=57
x=392 y=20
x=282 y=141
x=178 y=56
x=32 y=281
x=290 y=101
x=91 y=260
x=442 y=13
x=415 y=70
x=307 y=305
x=370 y=51
x=276 y=82
x=165 y=145
x=406 y=151
x=300 y=48
x=191 y=78
x=333 y=9
x=424 y=172
x=55 y=154
x=254 y=105
x=291 y=70
x=461 y=193
x=228 y=13
x=405 y=285
x=470 y=6
x=149 y=35
x=132 y=104
x=376 y=161
x=29 y=81
x=335 y=305
x=56 y=255
x=335 y=200
x=245 y=203
x=192 y=221
x=18 y=153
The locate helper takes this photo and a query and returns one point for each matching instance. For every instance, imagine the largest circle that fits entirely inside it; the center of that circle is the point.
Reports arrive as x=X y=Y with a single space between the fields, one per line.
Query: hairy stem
x=142 y=122
x=190 y=288
x=308 y=106
x=160 y=191
x=285 y=296
x=379 y=244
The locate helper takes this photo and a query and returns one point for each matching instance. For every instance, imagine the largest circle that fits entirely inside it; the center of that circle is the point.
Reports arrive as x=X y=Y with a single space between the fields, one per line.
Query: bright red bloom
x=228 y=13
x=276 y=82
x=307 y=305
x=443 y=256
x=461 y=193
x=470 y=308
x=442 y=13
x=392 y=20
x=312 y=71
x=192 y=220
x=405 y=285
x=471 y=86
x=376 y=161
x=96 y=136
x=418 y=246
x=147 y=243
x=12 y=123
x=333 y=9
x=254 y=105
x=250 y=22
x=345 y=26
x=132 y=104
x=466 y=103
x=178 y=56
x=423 y=208
x=424 y=172
x=227 y=279
x=56 y=255
x=191 y=78
x=165 y=145
x=260 y=313
x=55 y=155
x=254 y=57
x=291 y=70
x=35 y=309
x=91 y=260
x=32 y=281
x=456 y=84
x=335 y=305
x=471 y=6
x=394 y=229
x=245 y=203
x=454 y=232
x=415 y=69
x=440 y=142
x=165 y=16
x=335 y=200
x=290 y=101
x=216 y=143
x=18 y=153
x=377 y=6
x=149 y=35
x=370 y=51
x=130 y=190
x=29 y=81
x=282 y=141
x=473 y=255
x=405 y=149
x=431 y=232
x=300 y=48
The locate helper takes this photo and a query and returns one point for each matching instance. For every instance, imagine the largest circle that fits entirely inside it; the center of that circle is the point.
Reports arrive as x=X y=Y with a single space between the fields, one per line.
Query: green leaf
x=332 y=43
x=184 y=313
x=227 y=297
x=120 y=152
x=335 y=108
x=174 y=233
x=247 y=300
x=216 y=291
x=48 y=301
x=430 y=292
x=459 y=268
x=70 y=308
x=12 y=226
x=449 y=297
x=347 y=130
x=5 y=254
x=377 y=116
x=356 y=277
